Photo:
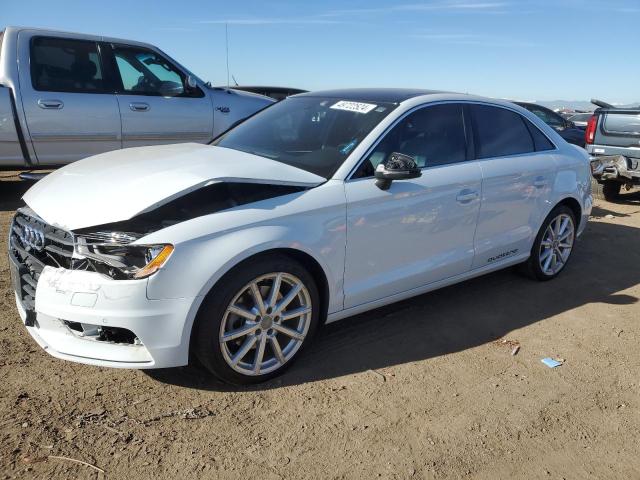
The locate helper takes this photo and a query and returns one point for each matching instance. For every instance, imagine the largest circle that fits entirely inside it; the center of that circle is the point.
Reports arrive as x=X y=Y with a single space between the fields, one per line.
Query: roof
x=389 y=95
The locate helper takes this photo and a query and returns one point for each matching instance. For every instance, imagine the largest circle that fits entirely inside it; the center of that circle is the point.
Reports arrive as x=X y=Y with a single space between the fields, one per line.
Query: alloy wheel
x=556 y=244
x=265 y=323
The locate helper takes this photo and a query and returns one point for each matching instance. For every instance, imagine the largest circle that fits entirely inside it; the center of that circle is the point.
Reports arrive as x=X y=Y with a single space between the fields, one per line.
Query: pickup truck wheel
x=256 y=320
x=611 y=190
x=553 y=245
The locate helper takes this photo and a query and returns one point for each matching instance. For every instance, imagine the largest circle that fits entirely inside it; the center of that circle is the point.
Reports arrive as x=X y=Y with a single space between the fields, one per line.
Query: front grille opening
x=33 y=244
x=121 y=336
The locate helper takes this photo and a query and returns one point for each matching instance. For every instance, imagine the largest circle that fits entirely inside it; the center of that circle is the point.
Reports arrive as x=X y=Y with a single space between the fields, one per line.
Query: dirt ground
x=421 y=389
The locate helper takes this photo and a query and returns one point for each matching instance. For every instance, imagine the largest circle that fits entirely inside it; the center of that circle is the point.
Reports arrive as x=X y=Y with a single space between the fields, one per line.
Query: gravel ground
x=426 y=388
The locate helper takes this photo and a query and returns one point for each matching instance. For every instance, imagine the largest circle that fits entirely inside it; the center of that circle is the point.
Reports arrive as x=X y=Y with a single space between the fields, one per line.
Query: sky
x=524 y=50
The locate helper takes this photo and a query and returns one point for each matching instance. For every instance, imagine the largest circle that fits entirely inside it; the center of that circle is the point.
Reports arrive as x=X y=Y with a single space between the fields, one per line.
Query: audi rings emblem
x=32 y=237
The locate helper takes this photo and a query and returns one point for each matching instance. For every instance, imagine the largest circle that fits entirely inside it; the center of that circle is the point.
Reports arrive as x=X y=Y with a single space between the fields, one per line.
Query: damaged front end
x=65 y=263
x=117 y=249
x=617 y=168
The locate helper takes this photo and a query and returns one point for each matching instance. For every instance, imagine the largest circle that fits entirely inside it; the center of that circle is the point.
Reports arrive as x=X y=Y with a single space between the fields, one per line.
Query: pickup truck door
x=156 y=104
x=71 y=112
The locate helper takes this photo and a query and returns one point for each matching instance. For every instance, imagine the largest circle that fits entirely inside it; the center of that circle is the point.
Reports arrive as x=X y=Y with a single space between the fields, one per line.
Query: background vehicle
x=580 y=119
x=66 y=96
x=565 y=128
x=613 y=140
x=325 y=205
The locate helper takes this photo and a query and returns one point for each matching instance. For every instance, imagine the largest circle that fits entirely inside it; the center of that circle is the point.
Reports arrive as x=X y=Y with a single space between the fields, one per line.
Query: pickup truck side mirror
x=397 y=167
x=192 y=84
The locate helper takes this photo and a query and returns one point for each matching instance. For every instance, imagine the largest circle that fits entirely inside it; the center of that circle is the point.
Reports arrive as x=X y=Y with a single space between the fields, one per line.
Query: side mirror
x=397 y=167
x=191 y=82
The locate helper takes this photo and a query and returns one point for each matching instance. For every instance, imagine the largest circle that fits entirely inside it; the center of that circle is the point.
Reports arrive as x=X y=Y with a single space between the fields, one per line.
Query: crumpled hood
x=119 y=185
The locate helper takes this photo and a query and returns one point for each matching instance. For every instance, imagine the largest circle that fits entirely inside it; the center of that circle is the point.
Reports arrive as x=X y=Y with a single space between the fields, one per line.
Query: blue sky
x=527 y=50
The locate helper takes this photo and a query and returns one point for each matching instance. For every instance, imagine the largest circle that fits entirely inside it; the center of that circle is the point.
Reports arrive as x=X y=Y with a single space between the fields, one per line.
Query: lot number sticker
x=353 y=106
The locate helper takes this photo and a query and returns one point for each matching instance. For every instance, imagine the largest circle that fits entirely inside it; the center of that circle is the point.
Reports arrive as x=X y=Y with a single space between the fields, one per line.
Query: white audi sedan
x=322 y=206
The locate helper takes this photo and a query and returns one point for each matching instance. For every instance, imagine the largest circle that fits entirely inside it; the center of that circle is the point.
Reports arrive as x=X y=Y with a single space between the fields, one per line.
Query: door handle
x=139 y=106
x=51 y=104
x=466 y=196
x=540 y=182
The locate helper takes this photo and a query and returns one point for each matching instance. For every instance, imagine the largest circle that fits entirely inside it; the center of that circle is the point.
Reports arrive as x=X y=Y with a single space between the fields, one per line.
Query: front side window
x=499 y=132
x=312 y=133
x=144 y=72
x=432 y=136
x=64 y=65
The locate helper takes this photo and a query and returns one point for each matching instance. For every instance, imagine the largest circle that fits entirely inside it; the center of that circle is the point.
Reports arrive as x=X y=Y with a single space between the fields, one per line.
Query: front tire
x=257 y=319
x=553 y=245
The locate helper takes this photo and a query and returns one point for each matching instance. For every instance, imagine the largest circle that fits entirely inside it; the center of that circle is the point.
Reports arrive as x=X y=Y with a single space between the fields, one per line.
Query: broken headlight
x=113 y=254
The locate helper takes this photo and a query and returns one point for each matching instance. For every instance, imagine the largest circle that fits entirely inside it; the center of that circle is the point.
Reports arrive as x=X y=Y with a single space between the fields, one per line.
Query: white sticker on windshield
x=353 y=106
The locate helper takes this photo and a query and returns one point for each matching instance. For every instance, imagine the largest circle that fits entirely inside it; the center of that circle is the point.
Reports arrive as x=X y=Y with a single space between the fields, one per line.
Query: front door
x=71 y=112
x=156 y=105
x=418 y=231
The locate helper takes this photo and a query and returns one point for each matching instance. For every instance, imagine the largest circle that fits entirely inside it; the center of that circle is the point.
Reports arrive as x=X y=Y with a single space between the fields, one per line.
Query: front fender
x=195 y=267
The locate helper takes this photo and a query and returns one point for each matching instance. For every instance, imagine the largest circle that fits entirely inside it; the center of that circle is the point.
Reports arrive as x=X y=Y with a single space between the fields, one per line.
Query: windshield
x=315 y=134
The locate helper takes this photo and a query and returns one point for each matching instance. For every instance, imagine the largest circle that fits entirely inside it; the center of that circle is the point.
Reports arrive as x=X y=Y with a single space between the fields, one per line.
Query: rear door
x=70 y=109
x=156 y=105
x=418 y=231
x=518 y=173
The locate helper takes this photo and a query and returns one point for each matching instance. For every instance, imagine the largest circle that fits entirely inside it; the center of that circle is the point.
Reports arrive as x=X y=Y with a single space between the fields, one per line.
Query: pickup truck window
x=64 y=65
x=144 y=72
x=627 y=124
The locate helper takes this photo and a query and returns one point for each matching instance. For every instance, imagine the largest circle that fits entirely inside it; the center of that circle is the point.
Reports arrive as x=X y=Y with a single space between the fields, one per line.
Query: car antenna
x=226 y=37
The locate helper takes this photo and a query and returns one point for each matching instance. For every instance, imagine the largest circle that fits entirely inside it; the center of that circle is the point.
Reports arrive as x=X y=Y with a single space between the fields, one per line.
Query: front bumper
x=67 y=297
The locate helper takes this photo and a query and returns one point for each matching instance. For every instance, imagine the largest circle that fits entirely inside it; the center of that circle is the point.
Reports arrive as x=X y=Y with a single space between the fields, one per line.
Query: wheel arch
x=304 y=258
x=575 y=207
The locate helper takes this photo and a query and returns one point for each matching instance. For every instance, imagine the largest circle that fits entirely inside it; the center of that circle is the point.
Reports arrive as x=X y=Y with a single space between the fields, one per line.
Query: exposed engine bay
x=108 y=248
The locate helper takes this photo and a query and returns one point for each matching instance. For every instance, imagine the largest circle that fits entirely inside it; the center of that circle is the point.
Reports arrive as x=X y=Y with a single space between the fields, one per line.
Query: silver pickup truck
x=66 y=96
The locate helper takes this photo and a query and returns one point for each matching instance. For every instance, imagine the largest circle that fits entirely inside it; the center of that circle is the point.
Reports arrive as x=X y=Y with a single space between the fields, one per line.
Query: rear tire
x=553 y=245
x=244 y=340
x=611 y=190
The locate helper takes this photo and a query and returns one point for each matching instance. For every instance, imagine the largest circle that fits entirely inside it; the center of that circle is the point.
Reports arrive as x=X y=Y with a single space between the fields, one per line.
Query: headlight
x=112 y=253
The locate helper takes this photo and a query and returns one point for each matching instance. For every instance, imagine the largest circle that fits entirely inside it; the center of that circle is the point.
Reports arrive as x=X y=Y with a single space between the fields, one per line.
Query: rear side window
x=499 y=132
x=540 y=140
x=627 y=124
x=64 y=65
